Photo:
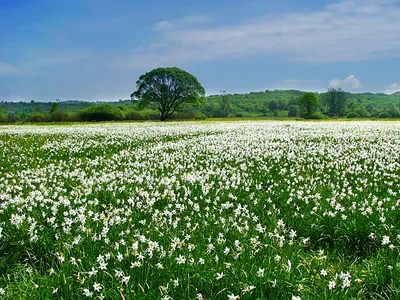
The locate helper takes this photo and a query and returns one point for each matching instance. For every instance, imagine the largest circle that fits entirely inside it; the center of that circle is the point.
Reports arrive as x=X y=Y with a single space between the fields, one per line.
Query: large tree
x=167 y=89
x=308 y=104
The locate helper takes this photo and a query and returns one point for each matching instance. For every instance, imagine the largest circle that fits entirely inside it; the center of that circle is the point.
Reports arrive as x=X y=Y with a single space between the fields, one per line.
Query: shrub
x=37 y=117
x=3 y=117
x=317 y=115
x=59 y=116
x=134 y=115
x=184 y=115
x=104 y=112
x=384 y=115
x=11 y=118
x=293 y=111
x=238 y=115
x=352 y=115
x=148 y=114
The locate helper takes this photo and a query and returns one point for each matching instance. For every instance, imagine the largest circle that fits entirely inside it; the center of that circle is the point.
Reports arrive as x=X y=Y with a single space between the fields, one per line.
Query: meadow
x=200 y=210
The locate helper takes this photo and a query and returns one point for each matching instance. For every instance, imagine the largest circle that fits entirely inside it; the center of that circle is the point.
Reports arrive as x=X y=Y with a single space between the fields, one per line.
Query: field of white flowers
x=229 y=210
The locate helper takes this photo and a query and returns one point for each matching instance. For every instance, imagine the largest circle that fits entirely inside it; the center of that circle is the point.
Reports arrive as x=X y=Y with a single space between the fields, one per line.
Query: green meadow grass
x=200 y=210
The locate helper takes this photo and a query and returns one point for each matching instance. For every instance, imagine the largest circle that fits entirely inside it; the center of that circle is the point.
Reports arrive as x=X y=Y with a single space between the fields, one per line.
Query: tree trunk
x=163 y=116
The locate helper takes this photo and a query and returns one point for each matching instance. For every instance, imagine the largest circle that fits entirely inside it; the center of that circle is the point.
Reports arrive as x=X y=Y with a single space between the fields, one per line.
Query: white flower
x=120 y=257
x=135 y=264
x=92 y=272
x=385 y=240
x=323 y=272
x=274 y=283
x=248 y=289
x=289 y=266
x=260 y=272
x=220 y=275
x=103 y=265
x=87 y=293
x=332 y=284
x=180 y=259
x=97 y=287
x=160 y=266
x=233 y=297
x=61 y=258
x=125 y=279
x=118 y=273
x=346 y=282
x=175 y=282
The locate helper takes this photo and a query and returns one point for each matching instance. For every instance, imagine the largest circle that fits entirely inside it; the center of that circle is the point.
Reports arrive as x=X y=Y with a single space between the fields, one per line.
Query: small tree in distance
x=308 y=104
x=336 y=100
x=224 y=104
x=167 y=89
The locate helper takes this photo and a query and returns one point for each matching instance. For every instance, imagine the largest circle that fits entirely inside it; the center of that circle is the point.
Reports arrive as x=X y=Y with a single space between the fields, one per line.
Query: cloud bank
x=349 y=30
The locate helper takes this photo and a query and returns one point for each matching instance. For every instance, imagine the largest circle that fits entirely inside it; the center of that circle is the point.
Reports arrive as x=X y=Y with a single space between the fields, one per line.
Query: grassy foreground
x=207 y=210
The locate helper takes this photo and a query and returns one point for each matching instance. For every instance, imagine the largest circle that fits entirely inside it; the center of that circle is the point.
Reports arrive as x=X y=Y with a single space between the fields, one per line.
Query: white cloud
x=8 y=70
x=393 y=88
x=349 y=30
x=164 y=25
x=350 y=83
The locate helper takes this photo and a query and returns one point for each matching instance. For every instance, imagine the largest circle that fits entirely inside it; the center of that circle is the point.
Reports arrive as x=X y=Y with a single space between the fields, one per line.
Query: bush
x=352 y=115
x=37 y=117
x=293 y=111
x=59 y=116
x=317 y=115
x=134 y=115
x=104 y=112
x=199 y=116
x=239 y=115
x=149 y=114
x=3 y=117
x=384 y=115
x=183 y=115
x=11 y=118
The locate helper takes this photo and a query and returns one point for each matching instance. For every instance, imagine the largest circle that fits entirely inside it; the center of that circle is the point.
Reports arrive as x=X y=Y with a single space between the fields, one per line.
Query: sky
x=97 y=49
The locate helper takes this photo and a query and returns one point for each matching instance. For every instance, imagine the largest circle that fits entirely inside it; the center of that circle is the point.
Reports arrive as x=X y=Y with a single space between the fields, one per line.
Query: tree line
x=172 y=93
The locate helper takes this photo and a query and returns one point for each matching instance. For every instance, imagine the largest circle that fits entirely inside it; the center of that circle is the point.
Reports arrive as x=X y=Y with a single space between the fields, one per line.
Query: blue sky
x=97 y=49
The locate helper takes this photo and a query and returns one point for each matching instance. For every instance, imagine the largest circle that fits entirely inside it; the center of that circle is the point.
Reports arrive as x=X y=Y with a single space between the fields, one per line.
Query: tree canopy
x=167 y=89
x=308 y=104
x=335 y=99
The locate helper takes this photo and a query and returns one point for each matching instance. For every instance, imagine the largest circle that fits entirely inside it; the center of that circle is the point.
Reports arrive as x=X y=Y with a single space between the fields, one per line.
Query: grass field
x=206 y=210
